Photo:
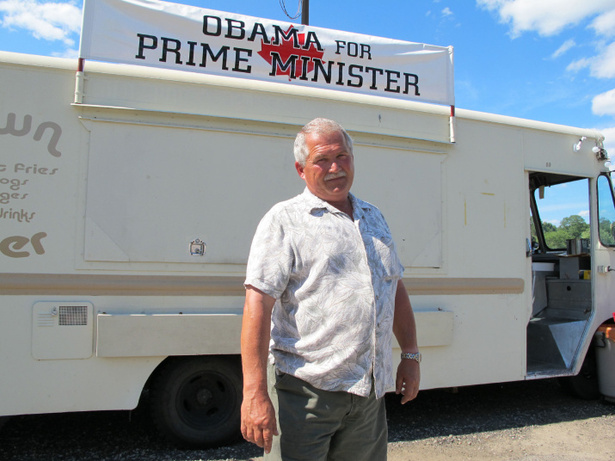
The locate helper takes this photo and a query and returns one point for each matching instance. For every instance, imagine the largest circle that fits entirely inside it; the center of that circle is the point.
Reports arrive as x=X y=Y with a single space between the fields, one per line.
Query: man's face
x=329 y=168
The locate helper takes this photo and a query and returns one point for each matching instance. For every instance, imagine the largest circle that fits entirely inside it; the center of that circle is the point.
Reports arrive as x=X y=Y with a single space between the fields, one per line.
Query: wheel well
x=194 y=401
x=232 y=358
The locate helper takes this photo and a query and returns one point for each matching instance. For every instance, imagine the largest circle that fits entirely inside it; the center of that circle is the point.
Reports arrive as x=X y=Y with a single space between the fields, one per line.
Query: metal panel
x=142 y=335
x=62 y=330
x=434 y=328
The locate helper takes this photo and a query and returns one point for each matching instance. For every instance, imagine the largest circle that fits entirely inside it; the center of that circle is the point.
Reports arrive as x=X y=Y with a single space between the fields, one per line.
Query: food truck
x=129 y=195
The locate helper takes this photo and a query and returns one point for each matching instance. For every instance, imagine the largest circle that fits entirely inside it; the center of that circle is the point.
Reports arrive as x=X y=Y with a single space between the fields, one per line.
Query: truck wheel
x=585 y=384
x=196 y=401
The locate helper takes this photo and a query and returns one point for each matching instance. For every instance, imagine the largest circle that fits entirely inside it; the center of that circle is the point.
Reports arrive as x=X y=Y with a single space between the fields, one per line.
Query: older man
x=323 y=297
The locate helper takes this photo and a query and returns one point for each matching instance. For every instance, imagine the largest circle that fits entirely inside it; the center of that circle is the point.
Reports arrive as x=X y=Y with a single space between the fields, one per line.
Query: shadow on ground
x=121 y=435
x=492 y=407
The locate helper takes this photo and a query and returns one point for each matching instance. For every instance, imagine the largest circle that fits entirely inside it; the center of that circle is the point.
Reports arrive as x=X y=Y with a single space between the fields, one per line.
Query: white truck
x=126 y=219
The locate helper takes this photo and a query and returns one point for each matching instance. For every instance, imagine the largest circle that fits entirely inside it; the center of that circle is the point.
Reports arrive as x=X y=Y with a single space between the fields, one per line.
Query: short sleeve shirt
x=334 y=280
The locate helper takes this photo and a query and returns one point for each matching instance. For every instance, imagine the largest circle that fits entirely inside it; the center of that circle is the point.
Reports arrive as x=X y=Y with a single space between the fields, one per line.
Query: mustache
x=339 y=174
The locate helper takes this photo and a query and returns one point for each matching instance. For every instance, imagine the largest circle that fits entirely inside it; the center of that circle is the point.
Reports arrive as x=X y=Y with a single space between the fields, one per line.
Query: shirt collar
x=315 y=203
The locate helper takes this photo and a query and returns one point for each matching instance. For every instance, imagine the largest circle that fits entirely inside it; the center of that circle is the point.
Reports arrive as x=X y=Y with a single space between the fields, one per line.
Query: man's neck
x=344 y=206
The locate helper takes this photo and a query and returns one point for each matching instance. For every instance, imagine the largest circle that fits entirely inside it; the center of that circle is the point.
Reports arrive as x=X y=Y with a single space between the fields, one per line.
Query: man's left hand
x=408 y=378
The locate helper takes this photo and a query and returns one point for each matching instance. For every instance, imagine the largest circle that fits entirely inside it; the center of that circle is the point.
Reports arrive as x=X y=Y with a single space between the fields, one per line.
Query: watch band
x=412 y=356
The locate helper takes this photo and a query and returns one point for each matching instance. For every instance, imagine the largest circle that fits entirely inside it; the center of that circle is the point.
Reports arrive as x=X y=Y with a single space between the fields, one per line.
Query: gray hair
x=318 y=125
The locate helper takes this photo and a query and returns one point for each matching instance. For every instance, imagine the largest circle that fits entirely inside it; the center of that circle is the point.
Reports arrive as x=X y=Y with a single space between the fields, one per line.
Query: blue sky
x=547 y=60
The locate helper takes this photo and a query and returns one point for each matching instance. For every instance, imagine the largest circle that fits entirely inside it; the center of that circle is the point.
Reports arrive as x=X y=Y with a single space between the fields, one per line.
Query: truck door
x=561 y=253
x=604 y=251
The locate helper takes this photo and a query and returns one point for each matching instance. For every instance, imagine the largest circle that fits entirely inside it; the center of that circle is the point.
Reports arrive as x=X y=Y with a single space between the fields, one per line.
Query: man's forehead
x=324 y=142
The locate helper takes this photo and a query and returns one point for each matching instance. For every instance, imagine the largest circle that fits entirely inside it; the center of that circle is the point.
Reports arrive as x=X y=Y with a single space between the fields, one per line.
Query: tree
x=557 y=239
x=548 y=227
x=571 y=227
x=574 y=226
x=607 y=235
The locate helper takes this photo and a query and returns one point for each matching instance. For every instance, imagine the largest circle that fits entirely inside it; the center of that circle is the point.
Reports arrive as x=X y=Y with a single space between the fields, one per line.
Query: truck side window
x=606 y=211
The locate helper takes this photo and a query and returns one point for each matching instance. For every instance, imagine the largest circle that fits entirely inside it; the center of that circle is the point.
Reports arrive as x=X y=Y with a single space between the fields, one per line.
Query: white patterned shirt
x=334 y=281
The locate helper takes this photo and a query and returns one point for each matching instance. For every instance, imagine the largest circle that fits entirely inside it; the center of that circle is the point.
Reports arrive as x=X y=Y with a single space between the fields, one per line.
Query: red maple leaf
x=286 y=50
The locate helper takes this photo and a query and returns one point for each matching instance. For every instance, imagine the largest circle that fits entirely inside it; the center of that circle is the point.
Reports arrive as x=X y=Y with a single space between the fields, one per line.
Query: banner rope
x=283 y=6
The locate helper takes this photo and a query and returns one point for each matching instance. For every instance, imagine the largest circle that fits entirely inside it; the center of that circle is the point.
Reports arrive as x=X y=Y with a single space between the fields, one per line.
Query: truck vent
x=45 y=320
x=73 y=315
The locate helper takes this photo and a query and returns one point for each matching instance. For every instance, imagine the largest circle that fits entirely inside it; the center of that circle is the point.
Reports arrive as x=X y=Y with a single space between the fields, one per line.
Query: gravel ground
x=533 y=421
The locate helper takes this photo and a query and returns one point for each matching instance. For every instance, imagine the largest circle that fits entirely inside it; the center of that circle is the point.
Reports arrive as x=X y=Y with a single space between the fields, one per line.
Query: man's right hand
x=258 y=423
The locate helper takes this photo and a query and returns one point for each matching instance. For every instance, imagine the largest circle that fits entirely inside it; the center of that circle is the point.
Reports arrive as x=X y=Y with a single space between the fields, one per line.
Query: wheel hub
x=204 y=396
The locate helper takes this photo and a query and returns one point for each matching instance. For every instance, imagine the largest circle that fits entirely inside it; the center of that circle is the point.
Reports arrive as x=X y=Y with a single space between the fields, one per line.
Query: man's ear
x=299 y=169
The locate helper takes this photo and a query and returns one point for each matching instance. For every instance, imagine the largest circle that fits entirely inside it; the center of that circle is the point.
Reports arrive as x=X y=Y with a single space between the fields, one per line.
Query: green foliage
x=572 y=227
x=548 y=227
x=607 y=232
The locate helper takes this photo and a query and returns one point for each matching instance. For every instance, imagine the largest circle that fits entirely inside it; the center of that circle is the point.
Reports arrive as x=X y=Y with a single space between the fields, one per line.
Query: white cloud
x=547 y=17
x=609 y=141
x=44 y=20
x=604 y=104
x=568 y=44
x=603 y=65
x=550 y=17
x=447 y=12
x=579 y=64
x=605 y=24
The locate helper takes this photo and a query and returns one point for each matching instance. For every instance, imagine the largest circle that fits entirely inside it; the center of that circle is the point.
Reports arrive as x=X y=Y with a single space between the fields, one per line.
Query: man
x=324 y=284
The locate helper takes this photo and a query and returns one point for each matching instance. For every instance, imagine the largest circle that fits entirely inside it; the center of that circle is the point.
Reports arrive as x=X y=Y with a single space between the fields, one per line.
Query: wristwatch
x=412 y=356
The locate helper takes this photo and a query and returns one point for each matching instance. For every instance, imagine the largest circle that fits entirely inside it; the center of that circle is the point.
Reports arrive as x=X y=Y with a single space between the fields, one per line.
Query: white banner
x=173 y=36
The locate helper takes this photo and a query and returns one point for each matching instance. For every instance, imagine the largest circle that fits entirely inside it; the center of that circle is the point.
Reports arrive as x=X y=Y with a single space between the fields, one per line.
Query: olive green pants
x=317 y=425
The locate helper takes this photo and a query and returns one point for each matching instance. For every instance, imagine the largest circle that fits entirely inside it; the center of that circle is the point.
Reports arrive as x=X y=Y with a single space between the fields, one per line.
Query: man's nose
x=334 y=167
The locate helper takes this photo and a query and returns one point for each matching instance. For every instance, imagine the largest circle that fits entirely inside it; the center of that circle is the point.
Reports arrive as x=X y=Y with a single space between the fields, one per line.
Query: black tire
x=196 y=401
x=585 y=384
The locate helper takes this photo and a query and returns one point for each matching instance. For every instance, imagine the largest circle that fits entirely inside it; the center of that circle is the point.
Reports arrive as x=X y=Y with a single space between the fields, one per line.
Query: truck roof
x=280 y=88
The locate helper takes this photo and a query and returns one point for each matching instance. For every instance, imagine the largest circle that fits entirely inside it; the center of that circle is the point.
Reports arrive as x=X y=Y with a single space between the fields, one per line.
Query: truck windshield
x=606 y=212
